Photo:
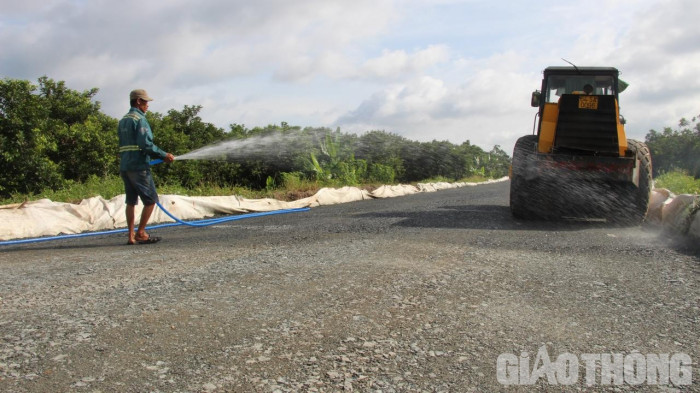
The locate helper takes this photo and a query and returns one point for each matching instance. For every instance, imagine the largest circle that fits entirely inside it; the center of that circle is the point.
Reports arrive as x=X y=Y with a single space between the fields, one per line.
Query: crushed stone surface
x=414 y=294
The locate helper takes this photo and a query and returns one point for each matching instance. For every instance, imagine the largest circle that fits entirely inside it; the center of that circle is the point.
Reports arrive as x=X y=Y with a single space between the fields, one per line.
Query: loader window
x=574 y=84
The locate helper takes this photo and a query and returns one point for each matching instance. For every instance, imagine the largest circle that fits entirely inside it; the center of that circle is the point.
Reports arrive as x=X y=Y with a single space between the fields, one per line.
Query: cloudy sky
x=452 y=70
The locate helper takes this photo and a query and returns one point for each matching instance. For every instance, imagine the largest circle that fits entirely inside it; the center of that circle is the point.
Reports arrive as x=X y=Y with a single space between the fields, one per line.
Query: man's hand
x=169 y=158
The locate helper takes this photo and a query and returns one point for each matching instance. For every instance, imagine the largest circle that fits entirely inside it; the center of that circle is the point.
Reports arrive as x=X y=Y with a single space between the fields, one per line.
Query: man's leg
x=145 y=216
x=130 y=219
x=131 y=201
x=140 y=185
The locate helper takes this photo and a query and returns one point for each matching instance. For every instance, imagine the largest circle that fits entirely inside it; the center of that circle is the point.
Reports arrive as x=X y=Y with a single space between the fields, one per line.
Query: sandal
x=149 y=240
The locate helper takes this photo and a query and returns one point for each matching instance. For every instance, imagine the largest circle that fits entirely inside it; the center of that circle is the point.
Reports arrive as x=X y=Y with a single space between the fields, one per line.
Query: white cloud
x=390 y=65
x=397 y=63
x=429 y=69
x=489 y=106
x=661 y=53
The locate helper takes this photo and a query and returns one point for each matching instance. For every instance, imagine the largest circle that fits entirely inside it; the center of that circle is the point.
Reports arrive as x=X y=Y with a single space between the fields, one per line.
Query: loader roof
x=581 y=70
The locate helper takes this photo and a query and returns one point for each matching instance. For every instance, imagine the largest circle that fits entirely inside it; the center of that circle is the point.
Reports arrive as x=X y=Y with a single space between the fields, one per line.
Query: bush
x=679 y=182
x=291 y=180
x=379 y=173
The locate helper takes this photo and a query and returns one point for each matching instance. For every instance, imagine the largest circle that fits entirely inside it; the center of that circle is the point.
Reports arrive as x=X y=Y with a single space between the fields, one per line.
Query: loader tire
x=523 y=193
x=638 y=197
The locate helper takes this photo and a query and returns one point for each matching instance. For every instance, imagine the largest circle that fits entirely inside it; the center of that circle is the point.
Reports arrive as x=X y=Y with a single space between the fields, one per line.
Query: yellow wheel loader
x=579 y=162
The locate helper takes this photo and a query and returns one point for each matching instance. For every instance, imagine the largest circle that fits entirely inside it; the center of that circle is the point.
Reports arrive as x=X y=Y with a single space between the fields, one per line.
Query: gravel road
x=409 y=294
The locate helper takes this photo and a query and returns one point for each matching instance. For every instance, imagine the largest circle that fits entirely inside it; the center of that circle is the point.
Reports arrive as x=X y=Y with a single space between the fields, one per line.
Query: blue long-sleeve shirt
x=136 y=147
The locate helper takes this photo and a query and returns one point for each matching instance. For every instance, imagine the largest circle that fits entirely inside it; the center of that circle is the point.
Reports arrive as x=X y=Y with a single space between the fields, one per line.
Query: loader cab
x=579 y=113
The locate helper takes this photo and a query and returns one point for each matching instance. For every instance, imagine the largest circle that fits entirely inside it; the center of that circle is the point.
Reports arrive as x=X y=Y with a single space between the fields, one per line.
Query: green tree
x=337 y=163
x=676 y=148
x=380 y=173
x=497 y=163
x=50 y=134
x=24 y=145
x=382 y=151
x=85 y=139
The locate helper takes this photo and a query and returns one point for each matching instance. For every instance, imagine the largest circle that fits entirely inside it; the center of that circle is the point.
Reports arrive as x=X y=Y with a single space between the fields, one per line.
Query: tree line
x=676 y=149
x=51 y=135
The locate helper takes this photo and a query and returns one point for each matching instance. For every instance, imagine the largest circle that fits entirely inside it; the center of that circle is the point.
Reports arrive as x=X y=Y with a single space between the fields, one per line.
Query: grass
x=74 y=192
x=678 y=182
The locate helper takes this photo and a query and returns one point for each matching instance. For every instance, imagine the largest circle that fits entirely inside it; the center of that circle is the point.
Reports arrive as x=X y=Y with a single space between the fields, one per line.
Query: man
x=136 y=149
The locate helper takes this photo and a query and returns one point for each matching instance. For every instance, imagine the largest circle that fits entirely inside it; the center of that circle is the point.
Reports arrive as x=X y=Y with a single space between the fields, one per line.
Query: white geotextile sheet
x=679 y=214
x=46 y=218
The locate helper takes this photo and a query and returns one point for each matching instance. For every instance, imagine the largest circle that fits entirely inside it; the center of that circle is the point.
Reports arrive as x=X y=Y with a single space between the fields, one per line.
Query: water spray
x=265 y=146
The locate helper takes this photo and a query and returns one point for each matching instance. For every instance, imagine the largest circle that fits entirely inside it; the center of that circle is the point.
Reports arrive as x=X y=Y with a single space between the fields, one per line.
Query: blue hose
x=198 y=223
x=212 y=221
